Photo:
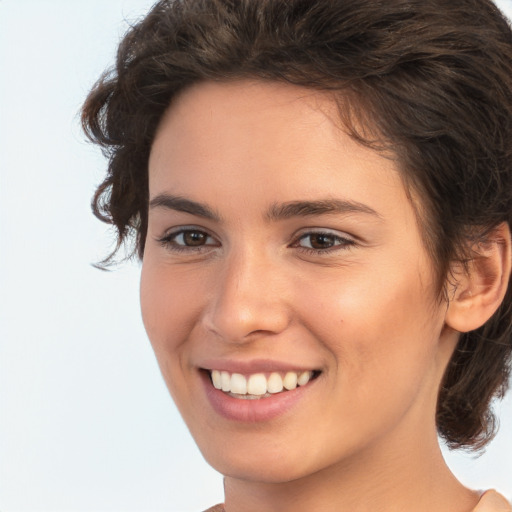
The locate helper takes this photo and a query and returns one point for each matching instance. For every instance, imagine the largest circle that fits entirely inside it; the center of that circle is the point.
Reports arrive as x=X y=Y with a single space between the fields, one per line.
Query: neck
x=384 y=479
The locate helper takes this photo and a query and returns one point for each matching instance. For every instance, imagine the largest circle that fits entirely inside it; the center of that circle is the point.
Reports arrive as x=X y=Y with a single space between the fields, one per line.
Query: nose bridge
x=248 y=296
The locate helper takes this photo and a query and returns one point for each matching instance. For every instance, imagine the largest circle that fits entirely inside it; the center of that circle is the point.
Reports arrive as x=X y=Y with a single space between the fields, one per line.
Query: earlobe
x=475 y=293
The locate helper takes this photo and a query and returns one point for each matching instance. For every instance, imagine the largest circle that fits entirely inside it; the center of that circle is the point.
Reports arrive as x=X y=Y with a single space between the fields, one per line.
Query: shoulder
x=491 y=501
x=216 y=508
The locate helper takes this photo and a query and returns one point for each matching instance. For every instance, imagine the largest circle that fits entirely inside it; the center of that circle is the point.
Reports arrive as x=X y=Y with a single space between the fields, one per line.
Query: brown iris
x=194 y=238
x=322 y=241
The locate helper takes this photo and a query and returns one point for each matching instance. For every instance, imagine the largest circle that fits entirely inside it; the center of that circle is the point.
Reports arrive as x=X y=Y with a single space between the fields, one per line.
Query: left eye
x=191 y=238
x=187 y=238
x=319 y=241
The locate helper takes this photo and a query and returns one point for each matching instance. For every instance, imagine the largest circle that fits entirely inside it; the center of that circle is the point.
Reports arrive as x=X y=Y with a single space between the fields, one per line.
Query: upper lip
x=253 y=366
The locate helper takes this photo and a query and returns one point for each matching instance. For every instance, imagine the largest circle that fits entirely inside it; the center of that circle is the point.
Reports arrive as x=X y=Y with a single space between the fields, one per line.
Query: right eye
x=188 y=240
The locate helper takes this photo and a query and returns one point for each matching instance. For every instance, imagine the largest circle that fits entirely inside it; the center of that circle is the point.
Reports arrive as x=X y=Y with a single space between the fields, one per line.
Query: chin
x=263 y=470
x=262 y=459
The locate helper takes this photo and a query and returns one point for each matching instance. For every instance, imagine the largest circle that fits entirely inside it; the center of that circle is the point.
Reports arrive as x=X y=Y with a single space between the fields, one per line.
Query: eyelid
x=345 y=240
x=324 y=231
x=168 y=238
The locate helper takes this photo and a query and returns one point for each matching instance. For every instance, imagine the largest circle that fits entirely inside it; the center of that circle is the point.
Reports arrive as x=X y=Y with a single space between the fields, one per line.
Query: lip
x=252 y=366
x=253 y=411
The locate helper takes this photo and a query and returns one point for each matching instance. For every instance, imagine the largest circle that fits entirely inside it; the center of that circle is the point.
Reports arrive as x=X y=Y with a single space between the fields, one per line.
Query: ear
x=475 y=293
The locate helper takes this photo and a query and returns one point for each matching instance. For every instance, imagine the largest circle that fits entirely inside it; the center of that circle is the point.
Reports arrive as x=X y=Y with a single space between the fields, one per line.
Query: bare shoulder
x=492 y=501
x=216 y=508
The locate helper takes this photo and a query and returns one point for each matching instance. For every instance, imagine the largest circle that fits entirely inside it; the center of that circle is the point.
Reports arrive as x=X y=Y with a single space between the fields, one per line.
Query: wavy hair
x=430 y=80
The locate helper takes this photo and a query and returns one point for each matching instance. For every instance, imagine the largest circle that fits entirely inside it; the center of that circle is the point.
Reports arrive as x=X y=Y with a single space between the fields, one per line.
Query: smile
x=268 y=391
x=259 y=385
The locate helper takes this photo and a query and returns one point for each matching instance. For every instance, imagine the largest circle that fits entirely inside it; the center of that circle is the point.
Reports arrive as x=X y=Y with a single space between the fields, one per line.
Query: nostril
x=238 y=315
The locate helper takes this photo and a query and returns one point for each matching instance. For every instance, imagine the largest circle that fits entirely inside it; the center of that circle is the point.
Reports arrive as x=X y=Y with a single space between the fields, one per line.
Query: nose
x=249 y=299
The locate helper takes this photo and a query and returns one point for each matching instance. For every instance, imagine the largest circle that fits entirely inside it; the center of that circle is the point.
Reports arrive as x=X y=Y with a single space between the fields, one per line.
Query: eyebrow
x=276 y=212
x=325 y=206
x=181 y=204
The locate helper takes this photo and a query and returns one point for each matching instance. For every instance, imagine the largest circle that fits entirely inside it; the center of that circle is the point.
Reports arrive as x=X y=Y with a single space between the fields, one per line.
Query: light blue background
x=85 y=420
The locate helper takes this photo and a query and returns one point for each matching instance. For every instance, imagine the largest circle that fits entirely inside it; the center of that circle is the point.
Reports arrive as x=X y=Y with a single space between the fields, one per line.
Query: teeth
x=225 y=381
x=275 y=383
x=216 y=379
x=303 y=378
x=290 y=381
x=258 y=384
x=239 y=384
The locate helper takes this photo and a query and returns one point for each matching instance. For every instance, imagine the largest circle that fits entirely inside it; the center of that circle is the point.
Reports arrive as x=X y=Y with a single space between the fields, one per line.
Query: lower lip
x=252 y=411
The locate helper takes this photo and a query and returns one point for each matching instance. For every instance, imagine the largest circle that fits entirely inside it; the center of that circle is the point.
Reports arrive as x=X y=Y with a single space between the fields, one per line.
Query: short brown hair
x=432 y=78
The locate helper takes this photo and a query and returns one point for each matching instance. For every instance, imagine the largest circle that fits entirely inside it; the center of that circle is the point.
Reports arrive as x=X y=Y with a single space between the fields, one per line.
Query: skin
x=363 y=309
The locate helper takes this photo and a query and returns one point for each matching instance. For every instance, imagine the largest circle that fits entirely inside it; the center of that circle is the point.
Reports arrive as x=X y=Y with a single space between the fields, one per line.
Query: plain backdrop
x=86 y=423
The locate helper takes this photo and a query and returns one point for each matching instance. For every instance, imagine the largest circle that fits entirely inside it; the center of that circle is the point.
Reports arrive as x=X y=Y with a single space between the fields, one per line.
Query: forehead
x=245 y=127
x=242 y=146
x=228 y=114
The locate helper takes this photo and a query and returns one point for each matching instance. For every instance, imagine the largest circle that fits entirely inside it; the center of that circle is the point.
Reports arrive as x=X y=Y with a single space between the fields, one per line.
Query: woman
x=321 y=196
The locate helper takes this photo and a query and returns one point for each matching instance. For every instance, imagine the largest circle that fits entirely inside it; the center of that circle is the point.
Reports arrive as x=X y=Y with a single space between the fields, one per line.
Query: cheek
x=382 y=330
x=168 y=305
x=169 y=309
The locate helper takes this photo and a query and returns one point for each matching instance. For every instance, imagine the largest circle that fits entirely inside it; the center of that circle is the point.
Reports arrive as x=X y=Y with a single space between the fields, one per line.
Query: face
x=284 y=265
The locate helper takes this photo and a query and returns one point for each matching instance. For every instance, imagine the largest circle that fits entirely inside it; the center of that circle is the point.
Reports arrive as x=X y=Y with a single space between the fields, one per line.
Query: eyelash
x=339 y=242
x=168 y=241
